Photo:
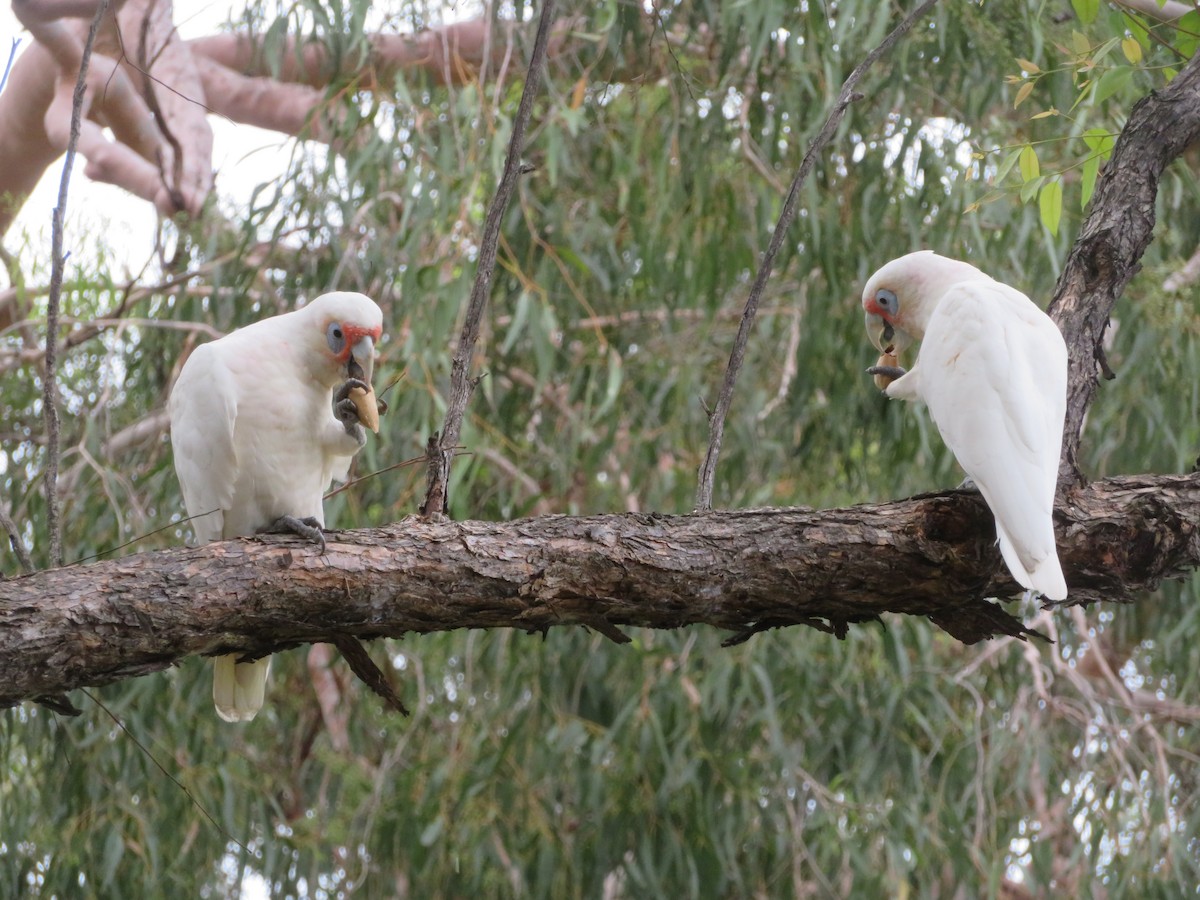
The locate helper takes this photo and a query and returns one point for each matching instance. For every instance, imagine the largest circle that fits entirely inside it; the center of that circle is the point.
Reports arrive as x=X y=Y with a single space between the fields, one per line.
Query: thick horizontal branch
x=932 y=555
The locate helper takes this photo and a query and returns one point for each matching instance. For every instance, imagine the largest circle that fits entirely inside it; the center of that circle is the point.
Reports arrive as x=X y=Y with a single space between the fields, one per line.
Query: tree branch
x=847 y=95
x=1114 y=235
x=57 y=262
x=931 y=556
x=440 y=449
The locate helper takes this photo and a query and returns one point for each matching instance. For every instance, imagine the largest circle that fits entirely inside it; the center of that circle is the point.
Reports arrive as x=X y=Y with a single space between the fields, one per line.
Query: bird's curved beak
x=884 y=335
x=361 y=363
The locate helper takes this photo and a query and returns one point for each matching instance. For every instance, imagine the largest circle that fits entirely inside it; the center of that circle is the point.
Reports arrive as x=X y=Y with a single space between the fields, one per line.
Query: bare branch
x=847 y=95
x=57 y=263
x=454 y=54
x=462 y=385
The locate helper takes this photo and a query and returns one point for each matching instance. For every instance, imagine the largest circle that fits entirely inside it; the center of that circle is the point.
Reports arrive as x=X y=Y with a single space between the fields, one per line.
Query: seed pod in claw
x=887 y=359
x=367 y=406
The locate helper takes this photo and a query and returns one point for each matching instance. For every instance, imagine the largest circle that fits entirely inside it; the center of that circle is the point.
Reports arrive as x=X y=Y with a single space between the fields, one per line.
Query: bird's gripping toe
x=308 y=528
x=348 y=410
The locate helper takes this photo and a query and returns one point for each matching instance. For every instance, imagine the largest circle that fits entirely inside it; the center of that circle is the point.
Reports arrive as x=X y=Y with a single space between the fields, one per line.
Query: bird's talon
x=343 y=392
x=308 y=528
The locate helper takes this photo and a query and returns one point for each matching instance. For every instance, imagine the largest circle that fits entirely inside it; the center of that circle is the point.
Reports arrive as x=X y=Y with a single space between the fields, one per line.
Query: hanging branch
x=440 y=449
x=57 y=262
x=716 y=419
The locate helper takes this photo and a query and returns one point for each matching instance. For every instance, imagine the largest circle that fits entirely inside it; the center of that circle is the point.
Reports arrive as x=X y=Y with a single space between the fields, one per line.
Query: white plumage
x=256 y=438
x=992 y=368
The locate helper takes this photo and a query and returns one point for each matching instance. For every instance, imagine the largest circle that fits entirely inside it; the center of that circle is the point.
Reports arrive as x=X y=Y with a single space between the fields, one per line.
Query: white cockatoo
x=992 y=368
x=261 y=421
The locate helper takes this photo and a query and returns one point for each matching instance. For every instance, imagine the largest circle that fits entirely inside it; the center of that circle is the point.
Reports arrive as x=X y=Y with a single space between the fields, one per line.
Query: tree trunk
x=1118 y=228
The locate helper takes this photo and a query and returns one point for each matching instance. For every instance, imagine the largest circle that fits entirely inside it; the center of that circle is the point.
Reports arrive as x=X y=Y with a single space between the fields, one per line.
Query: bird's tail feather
x=239 y=688
x=1046 y=577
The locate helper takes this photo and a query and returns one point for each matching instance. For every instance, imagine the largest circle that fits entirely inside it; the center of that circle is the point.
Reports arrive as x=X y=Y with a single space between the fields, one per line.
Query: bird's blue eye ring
x=886 y=299
x=336 y=337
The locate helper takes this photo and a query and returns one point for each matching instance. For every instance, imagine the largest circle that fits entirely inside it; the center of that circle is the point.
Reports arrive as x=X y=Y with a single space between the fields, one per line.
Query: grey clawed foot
x=308 y=528
x=344 y=391
x=892 y=372
x=347 y=412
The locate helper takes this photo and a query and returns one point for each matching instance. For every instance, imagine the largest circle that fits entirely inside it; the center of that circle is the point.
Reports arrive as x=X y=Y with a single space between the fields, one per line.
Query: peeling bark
x=744 y=571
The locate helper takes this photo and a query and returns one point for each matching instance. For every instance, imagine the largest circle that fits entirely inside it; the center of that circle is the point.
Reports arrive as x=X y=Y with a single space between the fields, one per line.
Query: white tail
x=239 y=688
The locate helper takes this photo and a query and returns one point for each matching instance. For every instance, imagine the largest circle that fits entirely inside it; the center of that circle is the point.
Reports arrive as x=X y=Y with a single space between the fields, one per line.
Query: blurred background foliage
x=894 y=763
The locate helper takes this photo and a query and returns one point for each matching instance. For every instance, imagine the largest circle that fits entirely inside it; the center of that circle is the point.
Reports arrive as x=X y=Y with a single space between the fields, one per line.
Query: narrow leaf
x=1029 y=164
x=1023 y=93
x=1030 y=189
x=1042 y=115
x=1112 y=81
x=1091 y=168
x=1132 y=50
x=1137 y=30
x=1029 y=68
x=1187 y=34
x=1104 y=49
x=1050 y=205
x=1099 y=141
x=1087 y=10
x=1006 y=165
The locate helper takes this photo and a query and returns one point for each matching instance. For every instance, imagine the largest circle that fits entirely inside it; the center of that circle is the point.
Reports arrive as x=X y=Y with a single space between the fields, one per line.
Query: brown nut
x=887 y=359
x=367 y=406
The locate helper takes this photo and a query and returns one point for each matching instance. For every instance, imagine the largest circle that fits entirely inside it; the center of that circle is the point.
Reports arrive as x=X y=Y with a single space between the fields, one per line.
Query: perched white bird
x=259 y=431
x=992 y=368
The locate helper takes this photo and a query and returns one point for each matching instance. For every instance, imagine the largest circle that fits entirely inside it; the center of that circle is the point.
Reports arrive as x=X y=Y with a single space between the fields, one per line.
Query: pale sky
x=243 y=155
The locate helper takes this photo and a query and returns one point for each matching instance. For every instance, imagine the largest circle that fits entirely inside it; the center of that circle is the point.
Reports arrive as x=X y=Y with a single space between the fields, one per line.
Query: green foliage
x=1083 y=64
x=895 y=762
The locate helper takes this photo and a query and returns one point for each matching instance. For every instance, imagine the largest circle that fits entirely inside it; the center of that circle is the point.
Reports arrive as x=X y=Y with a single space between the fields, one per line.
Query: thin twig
x=716 y=421
x=440 y=449
x=57 y=263
x=142 y=537
x=14 y=541
x=357 y=481
x=150 y=756
x=174 y=185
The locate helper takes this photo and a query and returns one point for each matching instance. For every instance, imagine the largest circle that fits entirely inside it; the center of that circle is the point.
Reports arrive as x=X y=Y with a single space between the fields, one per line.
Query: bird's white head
x=341 y=329
x=901 y=296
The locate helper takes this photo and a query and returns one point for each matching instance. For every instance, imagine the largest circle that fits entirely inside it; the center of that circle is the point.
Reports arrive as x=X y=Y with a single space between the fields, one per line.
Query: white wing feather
x=994 y=379
x=203 y=409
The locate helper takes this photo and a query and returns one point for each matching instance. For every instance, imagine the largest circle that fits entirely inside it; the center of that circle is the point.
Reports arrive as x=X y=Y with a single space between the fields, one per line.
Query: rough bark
x=742 y=571
x=1114 y=235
